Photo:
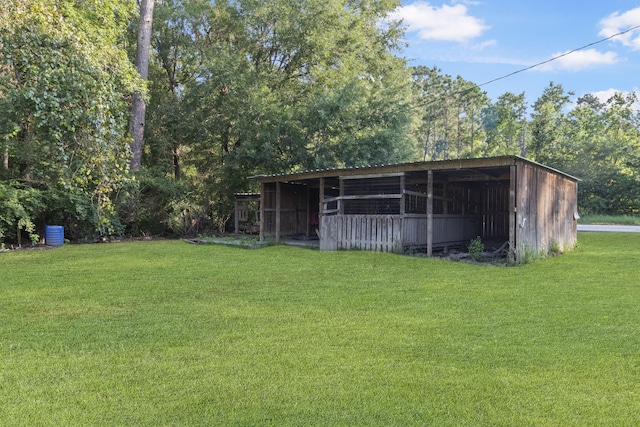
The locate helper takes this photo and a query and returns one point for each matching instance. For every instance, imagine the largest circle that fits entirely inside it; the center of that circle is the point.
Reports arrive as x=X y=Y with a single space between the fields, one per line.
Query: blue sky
x=481 y=40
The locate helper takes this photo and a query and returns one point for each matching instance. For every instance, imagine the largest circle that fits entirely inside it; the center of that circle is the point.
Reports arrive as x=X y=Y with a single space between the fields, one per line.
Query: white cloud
x=579 y=60
x=467 y=2
x=445 y=23
x=617 y=22
x=604 y=95
x=485 y=44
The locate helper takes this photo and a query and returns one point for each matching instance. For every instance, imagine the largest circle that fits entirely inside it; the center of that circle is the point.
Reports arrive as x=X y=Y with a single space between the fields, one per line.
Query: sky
x=483 y=40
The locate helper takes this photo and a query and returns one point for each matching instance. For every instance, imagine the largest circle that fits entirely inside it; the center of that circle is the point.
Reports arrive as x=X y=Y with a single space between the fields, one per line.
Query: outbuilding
x=425 y=206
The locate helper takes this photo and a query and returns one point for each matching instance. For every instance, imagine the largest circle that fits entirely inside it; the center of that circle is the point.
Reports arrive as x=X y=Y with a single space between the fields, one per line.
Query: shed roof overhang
x=489 y=168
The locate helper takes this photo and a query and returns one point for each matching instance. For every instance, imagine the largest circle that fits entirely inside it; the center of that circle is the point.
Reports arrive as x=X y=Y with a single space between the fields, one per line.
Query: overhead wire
x=555 y=58
x=561 y=55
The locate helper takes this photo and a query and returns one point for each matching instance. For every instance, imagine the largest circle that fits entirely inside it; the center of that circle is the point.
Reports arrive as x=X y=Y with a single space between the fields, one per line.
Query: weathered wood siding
x=545 y=206
x=414 y=232
x=367 y=232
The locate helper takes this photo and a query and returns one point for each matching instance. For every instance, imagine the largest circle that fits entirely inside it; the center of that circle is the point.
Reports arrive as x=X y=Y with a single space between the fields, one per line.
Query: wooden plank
x=390 y=235
x=414 y=193
x=372 y=175
x=397 y=240
x=375 y=235
x=363 y=197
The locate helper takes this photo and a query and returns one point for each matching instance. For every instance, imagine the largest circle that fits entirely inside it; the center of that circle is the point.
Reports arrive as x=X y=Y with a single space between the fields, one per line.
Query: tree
x=449 y=113
x=600 y=145
x=548 y=125
x=64 y=80
x=252 y=87
x=138 y=107
x=506 y=133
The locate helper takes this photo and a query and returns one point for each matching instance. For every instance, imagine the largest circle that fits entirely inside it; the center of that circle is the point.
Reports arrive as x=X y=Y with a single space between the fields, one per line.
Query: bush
x=159 y=205
x=476 y=248
x=19 y=209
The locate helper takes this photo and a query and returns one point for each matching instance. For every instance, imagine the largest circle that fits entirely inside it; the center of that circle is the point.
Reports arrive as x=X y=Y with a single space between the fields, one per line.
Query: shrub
x=154 y=204
x=19 y=209
x=476 y=247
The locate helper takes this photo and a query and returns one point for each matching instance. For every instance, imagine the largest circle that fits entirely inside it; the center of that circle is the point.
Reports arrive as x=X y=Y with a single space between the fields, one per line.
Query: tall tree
x=506 y=134
x=275 y=86
x=449 y=113
x=139 y=106
x=64 y=80
x=548 y=124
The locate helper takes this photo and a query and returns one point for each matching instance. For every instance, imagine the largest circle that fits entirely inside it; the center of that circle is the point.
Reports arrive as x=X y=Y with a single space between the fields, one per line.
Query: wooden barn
x=424 y=206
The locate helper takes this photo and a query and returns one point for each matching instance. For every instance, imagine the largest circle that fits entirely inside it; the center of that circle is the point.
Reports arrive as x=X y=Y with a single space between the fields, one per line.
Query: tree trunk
x=138 y=108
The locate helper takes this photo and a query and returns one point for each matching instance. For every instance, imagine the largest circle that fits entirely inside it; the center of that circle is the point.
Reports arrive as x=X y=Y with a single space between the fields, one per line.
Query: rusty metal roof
x=439 y=165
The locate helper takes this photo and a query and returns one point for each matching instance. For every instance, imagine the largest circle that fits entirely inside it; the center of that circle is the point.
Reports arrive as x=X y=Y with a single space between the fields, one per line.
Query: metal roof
x=442 y=165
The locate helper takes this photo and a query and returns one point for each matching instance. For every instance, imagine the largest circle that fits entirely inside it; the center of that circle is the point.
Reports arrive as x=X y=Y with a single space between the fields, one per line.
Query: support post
x=319 y=231
x=321 y=198
x=402 y=195
x=429 y=213
x=278 y=209
x=262 y=217
x=308 y=215
x=513 y=211
x=236 y=221
x=341 y=200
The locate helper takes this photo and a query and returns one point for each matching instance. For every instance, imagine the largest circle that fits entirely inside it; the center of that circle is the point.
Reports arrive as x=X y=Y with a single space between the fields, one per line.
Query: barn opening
x=424 y=206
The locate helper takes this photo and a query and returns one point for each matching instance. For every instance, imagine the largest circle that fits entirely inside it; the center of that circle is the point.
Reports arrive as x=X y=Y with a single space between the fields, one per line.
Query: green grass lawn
x=168 y=333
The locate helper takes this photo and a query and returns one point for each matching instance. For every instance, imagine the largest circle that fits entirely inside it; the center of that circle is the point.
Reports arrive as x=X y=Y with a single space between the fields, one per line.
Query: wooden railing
x=367 y=232
x=394 y=233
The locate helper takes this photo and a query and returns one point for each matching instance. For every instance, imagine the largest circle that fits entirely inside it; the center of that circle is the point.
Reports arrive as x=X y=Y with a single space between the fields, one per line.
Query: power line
x=561 y=56
x=464 y=91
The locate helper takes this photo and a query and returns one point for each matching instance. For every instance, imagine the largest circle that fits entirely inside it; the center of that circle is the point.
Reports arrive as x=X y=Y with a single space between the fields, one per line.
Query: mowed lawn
x=168 y=333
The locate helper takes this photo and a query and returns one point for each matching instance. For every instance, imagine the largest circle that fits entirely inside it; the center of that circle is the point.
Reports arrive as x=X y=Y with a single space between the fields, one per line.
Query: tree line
x=243 y=87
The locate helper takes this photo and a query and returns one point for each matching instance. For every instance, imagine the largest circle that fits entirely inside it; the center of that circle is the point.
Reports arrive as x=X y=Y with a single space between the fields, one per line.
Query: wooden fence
x=367 y=232
x=394 y=233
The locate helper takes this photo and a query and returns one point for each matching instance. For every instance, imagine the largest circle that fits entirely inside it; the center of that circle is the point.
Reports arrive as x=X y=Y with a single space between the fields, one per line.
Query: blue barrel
x=54 y=235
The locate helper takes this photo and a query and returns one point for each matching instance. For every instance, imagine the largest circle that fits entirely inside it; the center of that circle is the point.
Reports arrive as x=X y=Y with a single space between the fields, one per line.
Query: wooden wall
x=546 y=204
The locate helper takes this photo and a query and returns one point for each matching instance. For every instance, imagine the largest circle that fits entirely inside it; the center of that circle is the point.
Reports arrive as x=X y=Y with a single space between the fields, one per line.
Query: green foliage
x=167 y=333
x=528 y=254
x=64 y=80
x=19 y=209
x=251 y=87
x=449 y=115
x=476 y=247
x=160 y=206
x=601 y=145
x=554 y=248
